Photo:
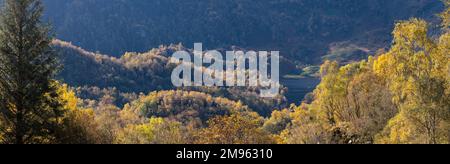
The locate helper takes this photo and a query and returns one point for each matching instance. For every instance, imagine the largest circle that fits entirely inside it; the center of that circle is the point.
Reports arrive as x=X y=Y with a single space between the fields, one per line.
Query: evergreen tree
x=29 y=106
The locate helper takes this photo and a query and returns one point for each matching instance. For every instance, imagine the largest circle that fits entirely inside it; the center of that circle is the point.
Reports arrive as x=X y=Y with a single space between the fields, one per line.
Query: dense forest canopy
x=135 y=73
x=307 y=33
x=303 y=30
x=397 y=95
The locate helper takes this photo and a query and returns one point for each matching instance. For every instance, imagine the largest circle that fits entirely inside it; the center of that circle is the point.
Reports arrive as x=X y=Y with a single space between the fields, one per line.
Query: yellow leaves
x=443 y=59
x=445 y=15
x=329 y=67
x=416 y=71
x=306 y=127
x=409 y=37
x=278 y=121
x=148 y=130
x=128 y=116
x=352 y=100
x=398 y=131
x=234 y=129
x=411 y=33
x=282 y=138
x=444 y=44
x=185 y=106
x=156 y=131
x=68 y=97
x=381 y=64
x=156 y=121
x=412 y=56
x=412 y=48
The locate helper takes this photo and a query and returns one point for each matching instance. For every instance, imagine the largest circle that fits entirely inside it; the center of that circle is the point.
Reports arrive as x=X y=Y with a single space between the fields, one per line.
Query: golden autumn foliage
x=156 y=131
x=78 y=126
x=351 y=105
x=234 y=129
x=306 y=128
x=416 y=72
x=184 y=106
x=446 y=15
x=401 y=96
x=106 y=124
x=278 y=121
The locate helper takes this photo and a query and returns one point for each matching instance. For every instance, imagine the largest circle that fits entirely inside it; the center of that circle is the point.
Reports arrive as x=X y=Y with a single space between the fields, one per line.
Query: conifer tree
x=29 y=106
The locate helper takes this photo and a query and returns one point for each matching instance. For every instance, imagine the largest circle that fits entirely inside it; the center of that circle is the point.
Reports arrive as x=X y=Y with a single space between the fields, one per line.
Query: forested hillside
x=136 y=73
x=304 y=30
x=54 y=92
x=307 y=33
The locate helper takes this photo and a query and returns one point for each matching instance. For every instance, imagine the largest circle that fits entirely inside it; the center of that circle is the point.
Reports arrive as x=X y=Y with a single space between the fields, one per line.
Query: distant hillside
x=302 y=29
x=136 y=73
x=130 y=73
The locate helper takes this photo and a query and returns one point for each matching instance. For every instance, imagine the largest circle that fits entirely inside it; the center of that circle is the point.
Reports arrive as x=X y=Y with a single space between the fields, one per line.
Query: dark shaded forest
x=304 y=30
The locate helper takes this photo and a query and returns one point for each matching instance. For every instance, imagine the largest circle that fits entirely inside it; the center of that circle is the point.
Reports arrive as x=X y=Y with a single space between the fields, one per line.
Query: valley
x=103 y=72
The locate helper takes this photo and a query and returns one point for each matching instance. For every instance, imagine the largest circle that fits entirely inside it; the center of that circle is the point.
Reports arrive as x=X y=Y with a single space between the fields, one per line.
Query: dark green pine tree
x=29 y=107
